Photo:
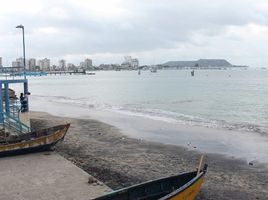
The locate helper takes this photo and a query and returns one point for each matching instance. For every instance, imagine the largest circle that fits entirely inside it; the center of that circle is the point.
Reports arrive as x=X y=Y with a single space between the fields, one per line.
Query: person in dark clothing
x=25 y=101
x=21 y=97
x=21 y=102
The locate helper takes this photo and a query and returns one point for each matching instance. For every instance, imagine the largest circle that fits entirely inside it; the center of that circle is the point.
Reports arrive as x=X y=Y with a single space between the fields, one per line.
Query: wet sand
x=118 y=161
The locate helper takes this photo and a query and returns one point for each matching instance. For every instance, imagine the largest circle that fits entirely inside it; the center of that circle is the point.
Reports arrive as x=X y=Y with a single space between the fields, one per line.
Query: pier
x=11 y=72
x=70 y=73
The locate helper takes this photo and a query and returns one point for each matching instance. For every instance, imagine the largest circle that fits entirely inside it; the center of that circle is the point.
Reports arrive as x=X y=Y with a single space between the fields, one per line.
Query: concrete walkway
x=45 y=176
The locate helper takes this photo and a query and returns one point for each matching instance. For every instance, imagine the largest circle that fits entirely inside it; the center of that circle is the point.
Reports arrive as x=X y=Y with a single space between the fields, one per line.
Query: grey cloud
x=147 y=26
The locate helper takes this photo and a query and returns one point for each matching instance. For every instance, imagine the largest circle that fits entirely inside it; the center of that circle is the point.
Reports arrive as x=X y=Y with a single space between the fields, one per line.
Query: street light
x=24 y=61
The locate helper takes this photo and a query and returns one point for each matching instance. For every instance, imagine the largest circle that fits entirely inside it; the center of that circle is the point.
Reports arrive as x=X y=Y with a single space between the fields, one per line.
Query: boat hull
x=183 y=186
x=41 y=142
x=189 y=192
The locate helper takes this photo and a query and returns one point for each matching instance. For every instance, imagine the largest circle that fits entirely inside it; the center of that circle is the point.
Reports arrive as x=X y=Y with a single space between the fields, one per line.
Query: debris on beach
x=92 y=180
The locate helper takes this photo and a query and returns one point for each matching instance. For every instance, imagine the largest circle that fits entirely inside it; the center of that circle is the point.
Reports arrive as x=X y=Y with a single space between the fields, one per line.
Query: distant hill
x=199 y=63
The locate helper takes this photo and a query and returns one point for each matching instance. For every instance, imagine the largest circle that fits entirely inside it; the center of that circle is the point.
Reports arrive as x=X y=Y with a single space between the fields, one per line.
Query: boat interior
x=9 y=139
x=151 y=190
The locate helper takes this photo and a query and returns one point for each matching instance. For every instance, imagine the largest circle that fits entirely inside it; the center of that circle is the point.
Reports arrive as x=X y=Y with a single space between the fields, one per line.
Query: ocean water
x=216 y=111
x=227 y=99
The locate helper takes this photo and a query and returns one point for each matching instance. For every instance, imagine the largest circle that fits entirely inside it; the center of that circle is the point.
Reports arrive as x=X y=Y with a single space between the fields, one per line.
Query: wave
x=157 y=114
x=173 y=117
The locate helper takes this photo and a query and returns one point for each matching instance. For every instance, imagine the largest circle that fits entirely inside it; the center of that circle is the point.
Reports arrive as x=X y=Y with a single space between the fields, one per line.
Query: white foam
x=155 y=114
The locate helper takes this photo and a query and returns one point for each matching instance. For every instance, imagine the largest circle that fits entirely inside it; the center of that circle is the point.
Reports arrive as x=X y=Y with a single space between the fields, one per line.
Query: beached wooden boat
x=33 y=141
x=183 y=186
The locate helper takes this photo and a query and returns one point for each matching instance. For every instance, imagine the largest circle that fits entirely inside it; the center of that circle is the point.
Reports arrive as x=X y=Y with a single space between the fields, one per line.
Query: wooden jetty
x=70 y=73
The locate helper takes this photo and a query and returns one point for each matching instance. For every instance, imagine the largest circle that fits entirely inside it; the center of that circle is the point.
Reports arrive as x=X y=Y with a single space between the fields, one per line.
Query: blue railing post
x=7 y=98
x=15 y=124
x=9 y=108
x=1 y=104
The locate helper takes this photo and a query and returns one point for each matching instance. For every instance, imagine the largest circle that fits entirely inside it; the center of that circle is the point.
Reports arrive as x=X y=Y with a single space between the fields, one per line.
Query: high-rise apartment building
x=20 y=62
x=44 y=64
x=130 y=63
x=135 y=62
x=87 y=64
x=32 y=64
x=62 y=64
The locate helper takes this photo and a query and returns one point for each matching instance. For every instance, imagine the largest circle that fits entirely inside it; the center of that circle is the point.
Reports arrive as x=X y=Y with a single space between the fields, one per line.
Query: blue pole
x=7 y=99
x=1 y=105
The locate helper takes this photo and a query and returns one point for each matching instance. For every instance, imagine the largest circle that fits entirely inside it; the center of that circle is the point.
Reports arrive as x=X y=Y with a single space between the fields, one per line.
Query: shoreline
x=247 y=146
x=119 y=161
x=241 y=145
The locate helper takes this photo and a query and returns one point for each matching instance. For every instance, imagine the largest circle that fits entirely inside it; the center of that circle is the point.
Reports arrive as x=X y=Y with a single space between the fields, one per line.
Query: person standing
x=22 y=98
x=25 y=101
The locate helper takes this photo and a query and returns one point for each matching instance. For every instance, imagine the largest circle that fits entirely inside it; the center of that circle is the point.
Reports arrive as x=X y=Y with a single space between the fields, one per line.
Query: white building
x=32 y=64
x=87 y=64
x=62 y=64
x=44 y=64
x=82 y=65
x=128 y=59
x=135 y=62
x=130 y=63
x=15 y=64
x=18 y=63
x=71 y=66
x=54 y=67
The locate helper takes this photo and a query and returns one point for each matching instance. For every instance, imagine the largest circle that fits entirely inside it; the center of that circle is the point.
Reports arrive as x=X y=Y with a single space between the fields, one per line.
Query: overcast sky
x=155 y=31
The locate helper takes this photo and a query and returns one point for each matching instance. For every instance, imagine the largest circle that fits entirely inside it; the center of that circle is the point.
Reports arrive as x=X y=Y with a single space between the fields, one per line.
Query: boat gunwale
x=41 y=137
x=185 y=186
x=180 y=189
x=28 y=150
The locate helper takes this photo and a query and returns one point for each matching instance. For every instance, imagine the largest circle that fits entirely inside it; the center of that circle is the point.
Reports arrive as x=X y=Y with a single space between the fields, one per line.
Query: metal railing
x=14 y=124
x=14 y=108
x=11 y=120
x=11 y=72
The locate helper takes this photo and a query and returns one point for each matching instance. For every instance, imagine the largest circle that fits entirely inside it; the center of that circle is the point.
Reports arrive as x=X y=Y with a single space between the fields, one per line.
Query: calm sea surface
x=229 y=99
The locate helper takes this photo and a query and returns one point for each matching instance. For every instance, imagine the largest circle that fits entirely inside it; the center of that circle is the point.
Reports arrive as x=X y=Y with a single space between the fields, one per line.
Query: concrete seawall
x=46 y=176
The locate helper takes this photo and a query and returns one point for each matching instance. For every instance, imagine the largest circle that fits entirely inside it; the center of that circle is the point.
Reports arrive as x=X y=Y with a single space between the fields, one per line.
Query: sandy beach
x=117 y=160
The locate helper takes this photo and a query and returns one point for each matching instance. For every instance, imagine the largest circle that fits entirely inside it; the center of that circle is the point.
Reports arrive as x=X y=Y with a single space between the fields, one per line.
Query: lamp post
x=24 y=61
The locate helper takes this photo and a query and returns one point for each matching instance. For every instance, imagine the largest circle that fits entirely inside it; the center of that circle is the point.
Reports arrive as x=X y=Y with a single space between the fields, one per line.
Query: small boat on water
x=183 y=186
x=33 y=141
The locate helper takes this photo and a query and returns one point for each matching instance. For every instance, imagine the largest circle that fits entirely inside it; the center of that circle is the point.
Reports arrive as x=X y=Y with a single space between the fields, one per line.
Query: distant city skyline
x=45 y=64
x=155 y=31
x=129 y=63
